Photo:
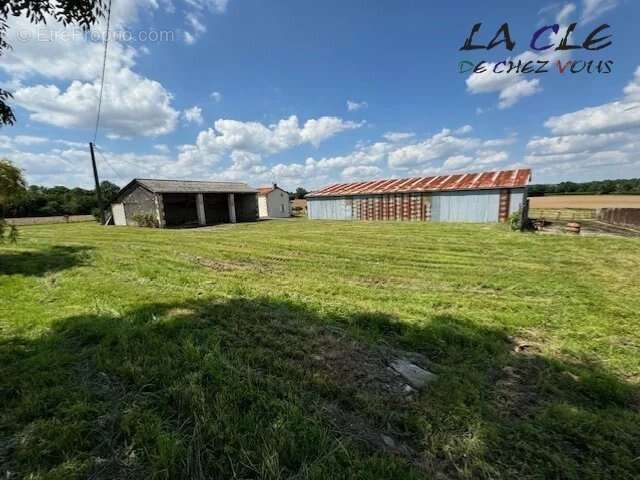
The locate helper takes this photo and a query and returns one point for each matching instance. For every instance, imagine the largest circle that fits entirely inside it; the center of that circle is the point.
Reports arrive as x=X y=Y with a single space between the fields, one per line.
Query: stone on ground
x=416 y=376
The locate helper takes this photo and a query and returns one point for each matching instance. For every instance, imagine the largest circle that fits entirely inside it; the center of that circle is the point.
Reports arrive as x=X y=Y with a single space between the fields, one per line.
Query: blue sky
x=307 y=93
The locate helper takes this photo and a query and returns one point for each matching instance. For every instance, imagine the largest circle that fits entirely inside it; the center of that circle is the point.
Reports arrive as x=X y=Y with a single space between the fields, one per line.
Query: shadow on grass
x=40 y=262
x=269 y=389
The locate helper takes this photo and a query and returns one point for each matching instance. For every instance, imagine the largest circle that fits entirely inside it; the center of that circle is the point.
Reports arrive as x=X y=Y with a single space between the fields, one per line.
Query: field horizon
x=585 y=201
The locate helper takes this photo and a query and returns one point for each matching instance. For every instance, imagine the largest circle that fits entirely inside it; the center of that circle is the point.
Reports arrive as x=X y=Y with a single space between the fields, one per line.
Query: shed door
x=119 y=218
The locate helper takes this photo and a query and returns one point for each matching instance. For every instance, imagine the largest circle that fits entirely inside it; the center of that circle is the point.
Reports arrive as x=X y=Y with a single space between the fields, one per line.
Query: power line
x=121 y=177
x=104 y=67
x=122 y=159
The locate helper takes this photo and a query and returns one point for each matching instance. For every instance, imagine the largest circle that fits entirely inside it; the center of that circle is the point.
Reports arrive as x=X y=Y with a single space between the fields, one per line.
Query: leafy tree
x=627 y=185
x=11 y=181
x=39 y=201
x=300 y=193
x=83 y=13
x=12 y=184
x=109 y=192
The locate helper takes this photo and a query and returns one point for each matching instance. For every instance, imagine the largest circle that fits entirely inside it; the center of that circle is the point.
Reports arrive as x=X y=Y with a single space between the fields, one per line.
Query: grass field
x=261 y=350
x=585 y=201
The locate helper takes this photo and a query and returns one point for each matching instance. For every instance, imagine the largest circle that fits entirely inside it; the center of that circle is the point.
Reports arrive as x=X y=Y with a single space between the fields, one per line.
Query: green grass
x=260 y=351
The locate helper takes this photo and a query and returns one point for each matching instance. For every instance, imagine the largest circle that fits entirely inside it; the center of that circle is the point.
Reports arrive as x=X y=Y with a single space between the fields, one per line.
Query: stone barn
x=465 y=197
x=183 y=203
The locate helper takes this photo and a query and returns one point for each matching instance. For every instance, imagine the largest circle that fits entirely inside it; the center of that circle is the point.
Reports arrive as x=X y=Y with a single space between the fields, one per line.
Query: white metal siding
x=329 y=209
x=465 y=206
x=517 y=196
x=481 y=206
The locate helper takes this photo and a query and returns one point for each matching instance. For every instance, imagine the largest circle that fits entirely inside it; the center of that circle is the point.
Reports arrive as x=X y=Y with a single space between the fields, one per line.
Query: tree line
x=622 y=186
x=38 y=201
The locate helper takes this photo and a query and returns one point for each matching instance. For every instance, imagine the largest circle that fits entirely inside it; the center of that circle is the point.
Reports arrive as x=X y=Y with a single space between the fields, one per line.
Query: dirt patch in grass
x=516 y=393
x=227 y=265
x=372 y=402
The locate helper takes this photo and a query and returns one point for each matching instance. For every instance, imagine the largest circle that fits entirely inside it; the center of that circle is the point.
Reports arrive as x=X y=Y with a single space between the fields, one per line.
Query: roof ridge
x=460 y=181
x=180 y=180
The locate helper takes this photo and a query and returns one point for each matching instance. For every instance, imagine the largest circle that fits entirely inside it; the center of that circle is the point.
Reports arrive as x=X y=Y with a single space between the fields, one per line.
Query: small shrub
x=8 y=232
x=147 y=220
x=516 y=222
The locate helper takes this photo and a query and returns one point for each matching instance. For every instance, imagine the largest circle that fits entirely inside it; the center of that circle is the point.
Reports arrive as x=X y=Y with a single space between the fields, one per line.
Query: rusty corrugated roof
x=462 y=181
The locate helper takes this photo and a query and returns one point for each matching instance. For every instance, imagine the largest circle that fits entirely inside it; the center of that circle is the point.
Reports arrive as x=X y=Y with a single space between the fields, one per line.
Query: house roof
x=265 y=190
x=192 y=186
x=463 y=181
x=268 y=190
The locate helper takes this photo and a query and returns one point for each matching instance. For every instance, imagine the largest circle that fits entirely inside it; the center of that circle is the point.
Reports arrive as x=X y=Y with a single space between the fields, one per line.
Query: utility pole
x=95 y=177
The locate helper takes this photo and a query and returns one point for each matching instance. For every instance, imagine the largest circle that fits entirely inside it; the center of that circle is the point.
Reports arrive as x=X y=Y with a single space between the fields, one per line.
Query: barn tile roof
x=462 y=181
x=193 y=186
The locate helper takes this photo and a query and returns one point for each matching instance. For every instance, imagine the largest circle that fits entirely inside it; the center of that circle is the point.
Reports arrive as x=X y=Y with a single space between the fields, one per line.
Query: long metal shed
x=174 y=203
x=466 y=197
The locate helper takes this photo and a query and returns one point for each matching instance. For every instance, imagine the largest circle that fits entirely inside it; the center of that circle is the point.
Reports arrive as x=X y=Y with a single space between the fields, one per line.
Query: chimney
x=275 y=185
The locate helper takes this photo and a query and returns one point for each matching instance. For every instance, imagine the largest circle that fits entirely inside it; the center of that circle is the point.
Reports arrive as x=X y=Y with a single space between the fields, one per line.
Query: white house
x=273 y=202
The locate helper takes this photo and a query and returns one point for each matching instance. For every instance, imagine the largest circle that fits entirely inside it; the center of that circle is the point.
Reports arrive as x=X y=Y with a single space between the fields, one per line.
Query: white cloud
x=361 y=172
x=565 y=13
x=463 y=130
x=194 y=18
x=196 y=28
x=446 y=151
x=69 y=56
x=216 y=96
x=189 y=38
x=510 y=85
x=132 y=105
x=453 y=149
x=254 y=137
x=353 y=106
x=30 y=140
x=513 y=87
x=216 y=6
x=398 y=136
x=609 y=117
x=162 y=148
x=592 y=9
x=457 y=161
x=316 y=131
x=511 y=94
x=592 y=139
x=193 y=115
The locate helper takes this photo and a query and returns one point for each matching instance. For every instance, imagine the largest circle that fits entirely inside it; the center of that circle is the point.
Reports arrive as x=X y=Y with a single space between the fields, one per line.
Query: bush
x=147 y=220
x=8 y=232
x=515 y=222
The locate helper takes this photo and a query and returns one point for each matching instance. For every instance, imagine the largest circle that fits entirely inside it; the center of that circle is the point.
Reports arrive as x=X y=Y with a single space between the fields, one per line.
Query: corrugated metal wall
x=517 y=199
x=329 y=209
x=466 y=206
x=459 y=206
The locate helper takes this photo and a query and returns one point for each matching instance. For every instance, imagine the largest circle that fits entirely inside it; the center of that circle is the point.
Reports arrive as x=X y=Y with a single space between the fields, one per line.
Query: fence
x=47 y=220
x=563 y=213
x=620 y=216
